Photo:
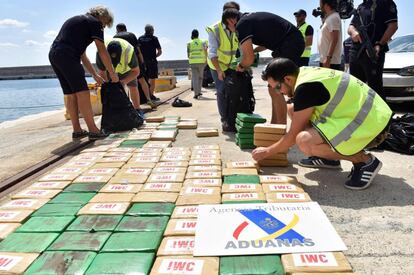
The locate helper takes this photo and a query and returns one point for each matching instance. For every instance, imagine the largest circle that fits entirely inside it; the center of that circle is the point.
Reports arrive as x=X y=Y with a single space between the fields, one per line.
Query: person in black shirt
x=267 y=31
x=380 y=18
x=307 y=33
x=67 y=52
x=121 y=32
x=151 y=49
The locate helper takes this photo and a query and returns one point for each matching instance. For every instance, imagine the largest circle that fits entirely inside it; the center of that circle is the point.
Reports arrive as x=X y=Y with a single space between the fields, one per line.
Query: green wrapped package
x=95 y=223
x=247 y=146
x=251 y=265
x=84 y=187
x=46 y=224
x=80 y=241
x=133 y=242
x=73 y=197
x=251 y=118
x=130 y=223
x=27 y=242
x=245 y=142
x=247 y=125
x=56 y=210
x=133 y=143
x=237 y=179
x=121 y=263
x=243 y=130
x=57 y=262
x=151 y=209
x=249 y=136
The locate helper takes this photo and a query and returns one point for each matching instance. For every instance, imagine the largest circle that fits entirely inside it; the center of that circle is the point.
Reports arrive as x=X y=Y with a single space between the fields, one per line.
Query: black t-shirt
x=149 y=45
x=310 y=94
x=385 y=12
x=130 y=37
x=78 y=32
x=309 y=30
x=264 y=28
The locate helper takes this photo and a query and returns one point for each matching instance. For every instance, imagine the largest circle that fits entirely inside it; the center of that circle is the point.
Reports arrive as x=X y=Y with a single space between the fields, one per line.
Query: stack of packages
x=266 y=135
x=245 y=124
x=241 y=183
x=201 y=186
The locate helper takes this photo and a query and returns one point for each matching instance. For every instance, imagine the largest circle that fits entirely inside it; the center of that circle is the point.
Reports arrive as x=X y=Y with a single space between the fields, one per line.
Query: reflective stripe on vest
x=354 y=114
x=126 y=55
x=227 y=47
x=196 y=52
x=302 y=29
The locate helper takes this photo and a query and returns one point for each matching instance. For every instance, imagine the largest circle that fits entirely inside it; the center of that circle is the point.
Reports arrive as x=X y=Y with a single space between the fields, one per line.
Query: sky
x=28 y=27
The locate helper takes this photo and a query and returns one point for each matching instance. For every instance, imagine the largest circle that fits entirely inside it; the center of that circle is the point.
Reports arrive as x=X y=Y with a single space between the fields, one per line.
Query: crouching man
x=334 y=116
x=126 y=66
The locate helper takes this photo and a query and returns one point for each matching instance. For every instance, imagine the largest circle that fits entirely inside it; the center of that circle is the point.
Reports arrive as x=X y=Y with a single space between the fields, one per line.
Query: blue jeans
x=221 y=100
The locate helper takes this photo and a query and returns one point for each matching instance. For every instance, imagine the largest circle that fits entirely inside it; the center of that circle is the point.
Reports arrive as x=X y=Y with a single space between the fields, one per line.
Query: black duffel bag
x=239 y=96
x=118 y=114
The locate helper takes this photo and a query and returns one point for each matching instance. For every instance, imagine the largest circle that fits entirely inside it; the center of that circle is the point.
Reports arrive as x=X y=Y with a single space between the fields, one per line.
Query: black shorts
x=152 y=69
x=141 y=71
x=292 y=47
x=69 y=71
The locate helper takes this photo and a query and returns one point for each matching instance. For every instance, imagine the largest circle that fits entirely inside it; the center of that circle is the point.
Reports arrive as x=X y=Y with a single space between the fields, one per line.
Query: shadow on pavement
x=384 y=191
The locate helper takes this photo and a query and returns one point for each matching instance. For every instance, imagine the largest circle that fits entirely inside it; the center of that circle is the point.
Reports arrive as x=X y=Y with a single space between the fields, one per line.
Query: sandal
x=80 y=134
x=181 y=103
x=100 y=135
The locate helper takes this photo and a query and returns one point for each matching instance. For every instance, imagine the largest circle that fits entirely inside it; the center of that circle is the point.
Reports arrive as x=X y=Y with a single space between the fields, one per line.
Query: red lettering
x=179 y=266
x=190 y=210
x=169 y=266
x=309 y=258
x=190 y=266
x=290 y=196
x=5 y=262
x=158 y=185
x=323 y=259
x=199 y=190
x=244 y=196
x=105 y=206
x=118 y=187
x=189 y=224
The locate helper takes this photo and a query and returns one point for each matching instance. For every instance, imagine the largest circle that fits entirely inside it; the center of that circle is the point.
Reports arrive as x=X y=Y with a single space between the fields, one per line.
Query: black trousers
x=367 y=71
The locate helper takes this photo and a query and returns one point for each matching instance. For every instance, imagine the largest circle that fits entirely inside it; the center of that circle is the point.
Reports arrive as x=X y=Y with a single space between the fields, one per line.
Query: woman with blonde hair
x=66 y=54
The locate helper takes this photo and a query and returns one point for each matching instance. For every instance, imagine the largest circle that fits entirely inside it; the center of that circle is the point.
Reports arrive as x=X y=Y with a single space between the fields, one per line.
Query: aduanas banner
x=243 y=229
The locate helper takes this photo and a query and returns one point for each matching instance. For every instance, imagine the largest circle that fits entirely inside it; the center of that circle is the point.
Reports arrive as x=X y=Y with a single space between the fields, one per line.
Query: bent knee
x=304 y=142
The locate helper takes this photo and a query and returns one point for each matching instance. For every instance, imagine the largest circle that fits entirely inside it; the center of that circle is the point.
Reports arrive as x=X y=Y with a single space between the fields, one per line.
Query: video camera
x=345 y=8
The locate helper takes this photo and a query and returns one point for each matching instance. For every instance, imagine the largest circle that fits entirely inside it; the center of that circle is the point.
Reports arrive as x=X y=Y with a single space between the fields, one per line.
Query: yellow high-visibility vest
x=302 y=29
x=227 y=47
x=354 y=115
x=196 y=51
x=126 y=56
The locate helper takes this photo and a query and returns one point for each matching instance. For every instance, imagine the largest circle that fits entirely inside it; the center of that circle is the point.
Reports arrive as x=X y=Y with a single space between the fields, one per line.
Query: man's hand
x=98 y=79
x=327 y=63
x=239 y=68
x=114 y=77
x=377 y=49
x=221 y=75
x=356 y=37
x=260 y=153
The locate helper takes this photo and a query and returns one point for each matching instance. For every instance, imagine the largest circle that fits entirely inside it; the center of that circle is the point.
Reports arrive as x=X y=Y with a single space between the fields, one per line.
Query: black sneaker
x=154 y=98
x=362 y=174
x=100 y=135
x=79 y=135
x=316 y=162
x=228 y=128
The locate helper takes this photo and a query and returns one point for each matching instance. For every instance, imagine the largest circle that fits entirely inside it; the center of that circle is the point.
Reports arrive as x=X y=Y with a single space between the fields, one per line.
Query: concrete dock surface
x=376 y=224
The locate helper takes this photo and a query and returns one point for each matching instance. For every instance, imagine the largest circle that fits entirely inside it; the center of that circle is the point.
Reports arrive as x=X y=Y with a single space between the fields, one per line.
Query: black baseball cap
x=300 y=12
x=115 y=52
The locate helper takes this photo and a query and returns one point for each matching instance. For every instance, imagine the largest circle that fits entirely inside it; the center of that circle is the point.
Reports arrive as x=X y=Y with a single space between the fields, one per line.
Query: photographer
x=380 y=19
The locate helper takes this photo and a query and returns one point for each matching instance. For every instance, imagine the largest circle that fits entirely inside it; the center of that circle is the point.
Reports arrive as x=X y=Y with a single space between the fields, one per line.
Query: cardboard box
x=241 y=188
x=148 y=150
x=104 y=208
x=36 y=194
x=185 y=265
x=246 y=171
x=6 y=229
x=273 y=163
x=236 y=197
x=100 y=172
x=68 y=170
x=166 y=135
x=24 y=204
x=45 y=185
x=123 y=149
x=16 y=263
x=155 y=197
x=281 y=187
x=58 y=177
x=112 y=197
x=324 y=262
x=199 y=162
x=109 y=165
x=92 y=178
x=263 y=143
x=121 y=188
x=14 y=216
x=79 y=163
x=199 y=191
x=191 y=195
x=174 y=170
x=148 y=154
x=269 y=137
x=176 y=246
x=182 y=164
x=206 y=147
x=139 y=164
x=185 y=212
x=187 y=125
x=203 y=175
x=154 y=119
x=287 y=197
x=162 y=187
x=157 y=144
x=118 y=154
x=277 y=179
x=207 y=132
x=179 y=150
x=173 y=177
x=181 y=227
x=204 y=168
x=134 y=171
x=170 y=158
x=281 y=156
x=278 y=129
x=128 y=179
x=206 y=156
x=85 y=158
x=241 y=164
x=203 y=182
x=110 y=159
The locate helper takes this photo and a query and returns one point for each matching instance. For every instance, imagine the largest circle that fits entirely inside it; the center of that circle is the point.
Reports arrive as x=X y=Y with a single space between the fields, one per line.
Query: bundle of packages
x=245 y=127
x=266 y=135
